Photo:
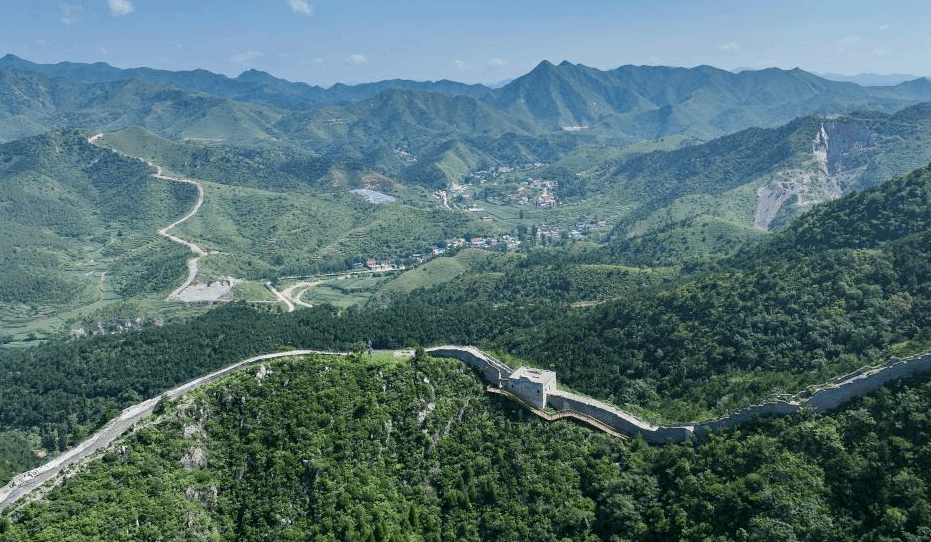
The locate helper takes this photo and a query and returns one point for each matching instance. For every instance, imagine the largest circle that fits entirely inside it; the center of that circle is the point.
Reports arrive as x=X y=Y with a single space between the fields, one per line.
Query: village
x=530 y=191
x=484 y=175
x=539 y=192
x=502 y=243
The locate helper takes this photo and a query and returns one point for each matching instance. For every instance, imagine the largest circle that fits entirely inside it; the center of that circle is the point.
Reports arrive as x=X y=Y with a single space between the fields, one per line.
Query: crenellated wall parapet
x=825 y=397
x=866 y=380
x=494 y=370
x=621 y=420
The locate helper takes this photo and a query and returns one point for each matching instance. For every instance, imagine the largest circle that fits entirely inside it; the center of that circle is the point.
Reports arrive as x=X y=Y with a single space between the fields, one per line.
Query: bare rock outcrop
x=823 y=177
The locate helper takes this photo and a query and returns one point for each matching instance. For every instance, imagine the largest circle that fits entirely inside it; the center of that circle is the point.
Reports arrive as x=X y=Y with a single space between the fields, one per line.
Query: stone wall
x=832 y=394
x=531 y=384
x=614 y=417
x=862 y=382
x=777 y=408
x=492 y=369
x=530 y=391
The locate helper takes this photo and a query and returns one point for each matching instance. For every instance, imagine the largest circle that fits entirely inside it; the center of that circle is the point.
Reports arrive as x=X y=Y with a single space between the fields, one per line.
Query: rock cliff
x=825 y=176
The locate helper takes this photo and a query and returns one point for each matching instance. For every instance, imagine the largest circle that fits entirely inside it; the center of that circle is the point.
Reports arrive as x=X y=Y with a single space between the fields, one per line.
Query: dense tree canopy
x=346 y=449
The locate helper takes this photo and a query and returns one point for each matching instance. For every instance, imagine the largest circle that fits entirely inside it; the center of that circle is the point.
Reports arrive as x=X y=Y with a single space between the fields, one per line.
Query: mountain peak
x=252 y=72
x=11 y=60
x=255 y=76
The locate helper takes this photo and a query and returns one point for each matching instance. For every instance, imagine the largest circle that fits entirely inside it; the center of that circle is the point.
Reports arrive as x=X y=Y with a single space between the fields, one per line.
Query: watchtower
x=532 y=384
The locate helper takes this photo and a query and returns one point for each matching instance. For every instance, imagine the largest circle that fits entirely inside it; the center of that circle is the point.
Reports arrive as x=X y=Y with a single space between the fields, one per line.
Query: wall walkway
x=822 y=398
x=598 y=414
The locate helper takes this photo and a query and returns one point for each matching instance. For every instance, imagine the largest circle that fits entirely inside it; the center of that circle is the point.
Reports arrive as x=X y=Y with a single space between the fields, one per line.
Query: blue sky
x=323 y=41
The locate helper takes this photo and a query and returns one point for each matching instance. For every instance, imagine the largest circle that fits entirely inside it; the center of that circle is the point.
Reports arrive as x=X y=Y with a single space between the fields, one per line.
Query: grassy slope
x=433 y=273
x=89 y=238
x=90 y=241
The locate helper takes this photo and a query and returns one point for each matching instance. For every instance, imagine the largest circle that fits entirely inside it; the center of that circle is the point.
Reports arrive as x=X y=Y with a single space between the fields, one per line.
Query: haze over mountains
x=746 y=150
x=871 y=79
x=640 y=102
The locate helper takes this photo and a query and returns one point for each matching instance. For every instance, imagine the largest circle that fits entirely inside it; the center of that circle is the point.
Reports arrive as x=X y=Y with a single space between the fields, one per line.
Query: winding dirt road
x=280 y=297
x=192 y=264
x=296 y=297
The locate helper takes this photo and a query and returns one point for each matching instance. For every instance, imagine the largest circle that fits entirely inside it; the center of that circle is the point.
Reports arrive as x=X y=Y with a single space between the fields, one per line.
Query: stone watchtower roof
x=537 y=376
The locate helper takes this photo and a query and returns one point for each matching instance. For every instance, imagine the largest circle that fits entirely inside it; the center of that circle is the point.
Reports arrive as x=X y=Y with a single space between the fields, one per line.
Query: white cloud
x=301 y=6
x=884 y=27
x=119 y=8
x=70 y=14
x=729 y=47
x=247 y=56
x=461 y=65
x=358 y=60
x=497 y=63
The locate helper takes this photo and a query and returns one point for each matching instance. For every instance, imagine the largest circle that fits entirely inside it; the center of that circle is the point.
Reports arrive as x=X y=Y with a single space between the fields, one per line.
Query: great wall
x=535 y=389
x=820 y=398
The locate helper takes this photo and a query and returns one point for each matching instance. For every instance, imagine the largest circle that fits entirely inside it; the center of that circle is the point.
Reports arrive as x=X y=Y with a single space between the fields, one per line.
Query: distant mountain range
x=640 y=101
x=250 y=86
x=450 y=127
x=872 y=79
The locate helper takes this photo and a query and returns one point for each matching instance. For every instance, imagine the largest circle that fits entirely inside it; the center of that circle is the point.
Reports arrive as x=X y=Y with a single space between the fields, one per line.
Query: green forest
x=723 y=335
x=328 y=448
x=642 y=279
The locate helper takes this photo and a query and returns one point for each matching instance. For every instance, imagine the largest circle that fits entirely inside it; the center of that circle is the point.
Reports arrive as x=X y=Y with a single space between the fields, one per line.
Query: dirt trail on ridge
x=193 y=264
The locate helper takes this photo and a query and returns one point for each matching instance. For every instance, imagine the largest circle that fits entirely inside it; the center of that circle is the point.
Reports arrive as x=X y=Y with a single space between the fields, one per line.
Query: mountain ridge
x=250 y=85
x=704 y=101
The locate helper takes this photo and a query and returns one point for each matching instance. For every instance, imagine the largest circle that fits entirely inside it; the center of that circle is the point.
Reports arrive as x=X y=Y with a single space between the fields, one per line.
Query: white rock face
x=824 y=177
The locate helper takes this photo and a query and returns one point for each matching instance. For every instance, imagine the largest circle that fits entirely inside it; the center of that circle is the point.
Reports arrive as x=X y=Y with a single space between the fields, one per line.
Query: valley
x=221 y=300
x=192 y=264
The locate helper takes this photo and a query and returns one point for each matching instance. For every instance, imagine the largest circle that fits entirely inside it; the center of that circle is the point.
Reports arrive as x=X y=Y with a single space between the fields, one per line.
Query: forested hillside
x=669 y=240
x=328 y=448
x=808 y=160
x=840 y=287
x=71 y=214
x=683 y=344
x=546 y=115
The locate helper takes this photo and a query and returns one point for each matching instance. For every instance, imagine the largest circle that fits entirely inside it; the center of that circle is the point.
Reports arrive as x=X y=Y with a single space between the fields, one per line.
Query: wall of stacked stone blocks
x=820 y=398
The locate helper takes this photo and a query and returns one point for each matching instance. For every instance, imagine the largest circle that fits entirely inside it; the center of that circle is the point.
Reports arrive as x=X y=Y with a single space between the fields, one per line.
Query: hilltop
x=416 y=450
